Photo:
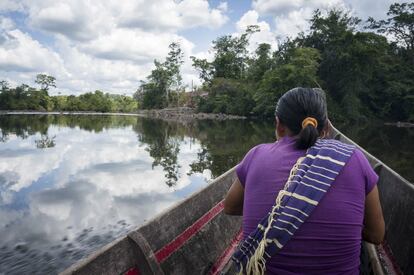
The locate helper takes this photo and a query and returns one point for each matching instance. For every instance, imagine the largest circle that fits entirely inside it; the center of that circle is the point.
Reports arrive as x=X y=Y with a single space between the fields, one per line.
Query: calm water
x=70 y=184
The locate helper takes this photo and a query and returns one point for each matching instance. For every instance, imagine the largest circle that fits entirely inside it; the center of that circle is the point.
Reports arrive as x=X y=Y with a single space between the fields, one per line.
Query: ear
x=327 y=129
x=280 y=129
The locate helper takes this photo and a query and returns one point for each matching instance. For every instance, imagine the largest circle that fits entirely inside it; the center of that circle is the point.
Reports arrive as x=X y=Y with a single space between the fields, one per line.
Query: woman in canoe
x=306 y=201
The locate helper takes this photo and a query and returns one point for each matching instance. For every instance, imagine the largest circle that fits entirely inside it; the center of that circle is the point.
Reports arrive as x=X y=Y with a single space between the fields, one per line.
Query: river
x=71 y=184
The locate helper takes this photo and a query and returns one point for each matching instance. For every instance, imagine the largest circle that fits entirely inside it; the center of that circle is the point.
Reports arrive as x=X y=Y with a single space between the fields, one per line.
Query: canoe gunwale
x=375 y=162
x=383 y=255
x=147 y=264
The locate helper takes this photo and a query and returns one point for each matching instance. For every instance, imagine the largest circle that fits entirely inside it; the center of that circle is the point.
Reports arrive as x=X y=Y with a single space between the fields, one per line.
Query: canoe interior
x=196 y=237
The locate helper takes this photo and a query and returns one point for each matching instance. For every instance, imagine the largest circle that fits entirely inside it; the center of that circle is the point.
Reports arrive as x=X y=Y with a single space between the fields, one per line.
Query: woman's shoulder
x=261 y=147
x=258 y=149
x=356 y=154
x=357 y=157
x=359 y=164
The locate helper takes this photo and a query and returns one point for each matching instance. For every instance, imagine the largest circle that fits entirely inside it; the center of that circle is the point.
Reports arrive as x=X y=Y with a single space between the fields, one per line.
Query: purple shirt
x=329 y=241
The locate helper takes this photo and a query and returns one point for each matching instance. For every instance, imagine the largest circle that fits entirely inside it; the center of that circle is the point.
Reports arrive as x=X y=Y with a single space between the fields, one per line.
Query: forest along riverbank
x=181 y=113
x=185 y=113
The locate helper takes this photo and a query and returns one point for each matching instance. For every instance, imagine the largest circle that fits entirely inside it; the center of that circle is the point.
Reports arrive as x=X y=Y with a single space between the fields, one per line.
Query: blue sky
x=110 y=45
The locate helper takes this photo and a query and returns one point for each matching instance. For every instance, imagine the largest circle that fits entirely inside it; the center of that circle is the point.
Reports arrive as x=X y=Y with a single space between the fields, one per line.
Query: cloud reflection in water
x=61 y=203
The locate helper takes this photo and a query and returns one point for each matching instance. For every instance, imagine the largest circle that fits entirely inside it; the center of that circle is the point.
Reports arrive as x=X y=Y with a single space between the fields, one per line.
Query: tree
x=205 y=69
x=4 y=85
x=45 y=81
x=172 y=64
x=350 y=60
x=24 y=97
x=399 y=24
x=261 y=63
x=298 y=69
x=228 y=96
x=329 y=28
x=230 y=57
x=165 y=77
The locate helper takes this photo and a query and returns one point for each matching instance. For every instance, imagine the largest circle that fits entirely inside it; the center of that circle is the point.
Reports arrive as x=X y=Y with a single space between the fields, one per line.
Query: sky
x=110 y=45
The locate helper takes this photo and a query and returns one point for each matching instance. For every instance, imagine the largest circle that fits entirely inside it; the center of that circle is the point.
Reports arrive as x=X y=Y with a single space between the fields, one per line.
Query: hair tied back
x=309 y=121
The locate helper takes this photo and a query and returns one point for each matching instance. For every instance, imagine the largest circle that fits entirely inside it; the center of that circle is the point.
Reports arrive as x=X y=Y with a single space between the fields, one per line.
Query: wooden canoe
x=196 y=237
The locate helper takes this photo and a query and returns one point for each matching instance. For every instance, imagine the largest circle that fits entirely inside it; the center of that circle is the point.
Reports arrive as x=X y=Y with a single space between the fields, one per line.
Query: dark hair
x=296 y=105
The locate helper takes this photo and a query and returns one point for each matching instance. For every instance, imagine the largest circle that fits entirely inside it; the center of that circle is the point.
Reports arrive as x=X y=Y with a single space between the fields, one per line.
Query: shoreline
x=400 y=124
x=186 y=114
x=170 y=113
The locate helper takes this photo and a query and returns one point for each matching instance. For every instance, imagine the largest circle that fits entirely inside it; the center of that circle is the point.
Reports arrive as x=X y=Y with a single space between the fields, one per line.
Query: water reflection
x=45 y=142
x=102 y=177
x=392 y=145
x=163 y=146
x=106 y=175
x=223 y=144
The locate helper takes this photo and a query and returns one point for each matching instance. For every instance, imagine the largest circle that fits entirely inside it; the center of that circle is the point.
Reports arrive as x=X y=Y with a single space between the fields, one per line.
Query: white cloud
x=264 y=36
x=294 y=22
x=20 y=53
x=271 y=7
x=76 y=19
x=137 y=46
x=292 y=17
x=107 y=45
x=175 y=15
x=364 y=9
x=10 y=5
x=223 y=6
x=61 y=18
x=6 y=23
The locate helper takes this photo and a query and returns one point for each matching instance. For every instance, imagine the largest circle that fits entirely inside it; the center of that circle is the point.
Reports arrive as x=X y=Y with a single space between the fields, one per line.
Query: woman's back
x=304 y=213
x=329 y=240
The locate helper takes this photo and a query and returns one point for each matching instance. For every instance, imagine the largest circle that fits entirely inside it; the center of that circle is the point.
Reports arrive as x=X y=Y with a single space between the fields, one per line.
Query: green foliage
x=24 y=97
x=399 y=24
x=357 y=69
x=153 y=97
x=45 y=81
x=204 y=68
x=228 y=96
x=166 y=77
x=230 y=57
x=297 y=69
x=260 y=64
x=363 y=74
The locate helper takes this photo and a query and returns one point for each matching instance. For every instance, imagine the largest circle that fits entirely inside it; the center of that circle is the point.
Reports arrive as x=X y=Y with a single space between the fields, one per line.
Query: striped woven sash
x=309 y=180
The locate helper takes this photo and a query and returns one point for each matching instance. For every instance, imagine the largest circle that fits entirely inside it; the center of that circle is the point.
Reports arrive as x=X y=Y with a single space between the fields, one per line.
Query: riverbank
x=186 y=114
x=400 y=124
x=168 y=113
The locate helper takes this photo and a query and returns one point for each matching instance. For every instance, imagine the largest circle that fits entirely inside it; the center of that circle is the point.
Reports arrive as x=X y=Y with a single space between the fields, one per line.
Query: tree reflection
x=392 y=145
x=45 y=142
x=24 y=126
x=223 y=143
x=163 y=145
